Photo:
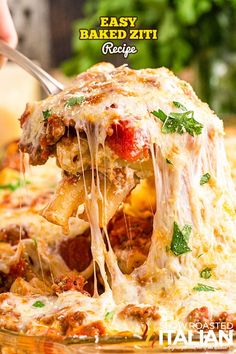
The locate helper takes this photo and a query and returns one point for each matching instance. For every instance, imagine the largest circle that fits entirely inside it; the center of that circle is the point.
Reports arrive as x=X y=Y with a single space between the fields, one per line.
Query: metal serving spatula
x=50 y=85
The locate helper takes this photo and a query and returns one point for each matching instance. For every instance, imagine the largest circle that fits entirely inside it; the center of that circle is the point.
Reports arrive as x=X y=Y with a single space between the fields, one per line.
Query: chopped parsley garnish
x=109 y=316
x=203 y=287
x=179 y=122
x=205 y=178
x=206 y=273
x=13 y=186
x=10 y=186
x=169 y=162
x=38 y=303
x=200 y=255
x=47 y=114
x=186 y=231
x=74 y=101
x=179 y=105
x=179 y=243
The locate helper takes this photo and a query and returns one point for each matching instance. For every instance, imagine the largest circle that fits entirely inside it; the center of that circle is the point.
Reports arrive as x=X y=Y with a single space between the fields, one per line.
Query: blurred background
x=197 y=40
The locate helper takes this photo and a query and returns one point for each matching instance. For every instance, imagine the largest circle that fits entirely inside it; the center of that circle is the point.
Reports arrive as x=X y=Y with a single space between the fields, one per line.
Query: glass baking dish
x=14 y=343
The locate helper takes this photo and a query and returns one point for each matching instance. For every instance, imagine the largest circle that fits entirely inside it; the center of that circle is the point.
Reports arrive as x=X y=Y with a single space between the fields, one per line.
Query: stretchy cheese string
x=177 y=199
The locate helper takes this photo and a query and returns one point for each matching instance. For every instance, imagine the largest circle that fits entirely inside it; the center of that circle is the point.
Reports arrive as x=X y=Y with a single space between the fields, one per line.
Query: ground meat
x=71 y=324
x=13 y=233
x=10 y=320
x=141 y=314
x=127 y=231
x=130 y=239
x=69 y=282
x=60 y=328
x=93 y=329
x=72 y=321
x=38 y=155
x=200 y=316
x=76 y=252
x=17 y=270
x=227 y=319
x=54 y=129
x=64 y=322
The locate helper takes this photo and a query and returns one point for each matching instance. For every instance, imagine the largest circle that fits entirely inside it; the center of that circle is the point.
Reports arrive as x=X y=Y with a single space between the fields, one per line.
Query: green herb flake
x=203 y=287
x=38 y=303
x=179 y=122
x=179 y=243
x=179 y=105
x=160 y=115
x=206 y=273
x=200 y=255
x=186 y=231
x=205 y=178
x=169 y=162
x=109 y=316
x=47 y=114
x=13 y=186
x=10 y=186
x=74 y=101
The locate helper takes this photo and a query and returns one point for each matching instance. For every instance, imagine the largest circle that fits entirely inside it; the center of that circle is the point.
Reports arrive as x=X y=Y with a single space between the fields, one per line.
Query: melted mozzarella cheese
x=209 y=208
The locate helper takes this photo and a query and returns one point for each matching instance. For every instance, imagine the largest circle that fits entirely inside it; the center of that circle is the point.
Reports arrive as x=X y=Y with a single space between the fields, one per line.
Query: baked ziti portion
x=144 y=164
